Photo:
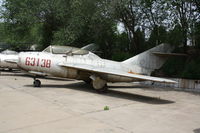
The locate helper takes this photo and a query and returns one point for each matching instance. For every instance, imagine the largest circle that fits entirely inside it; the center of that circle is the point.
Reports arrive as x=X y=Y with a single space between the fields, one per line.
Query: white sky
x=120 y=27
x=1 y=2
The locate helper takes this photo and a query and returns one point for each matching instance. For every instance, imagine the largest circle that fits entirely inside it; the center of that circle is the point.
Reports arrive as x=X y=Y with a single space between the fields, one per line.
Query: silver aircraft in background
x=7 y=55
x=81 y=64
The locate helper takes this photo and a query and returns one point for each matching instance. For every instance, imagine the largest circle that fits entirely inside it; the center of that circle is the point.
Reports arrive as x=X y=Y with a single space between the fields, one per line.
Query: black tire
x=88 y=81
x=37 y=83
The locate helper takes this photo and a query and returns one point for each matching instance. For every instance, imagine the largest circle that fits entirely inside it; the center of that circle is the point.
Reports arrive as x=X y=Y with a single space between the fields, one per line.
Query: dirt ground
x=68 y=106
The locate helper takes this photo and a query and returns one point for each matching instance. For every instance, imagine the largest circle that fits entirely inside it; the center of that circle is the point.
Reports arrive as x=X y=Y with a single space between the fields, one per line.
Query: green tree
x=197 y=3
x=184 y=14
x=125 y=11
x=157 y=36
x=174 y=36
x=2 y=34
x=197 y=35
x=26 y=19
x=88 y=23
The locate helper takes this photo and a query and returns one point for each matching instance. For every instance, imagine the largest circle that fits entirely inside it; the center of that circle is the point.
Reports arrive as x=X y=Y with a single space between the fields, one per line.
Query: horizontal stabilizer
x=169 y=54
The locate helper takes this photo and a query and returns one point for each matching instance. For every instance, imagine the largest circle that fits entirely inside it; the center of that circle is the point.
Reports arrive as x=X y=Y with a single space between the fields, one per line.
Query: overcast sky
x=0 y=10
x=1 y=1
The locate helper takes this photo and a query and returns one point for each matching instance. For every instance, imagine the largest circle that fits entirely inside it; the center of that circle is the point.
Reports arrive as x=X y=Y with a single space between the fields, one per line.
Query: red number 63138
x=30 y=61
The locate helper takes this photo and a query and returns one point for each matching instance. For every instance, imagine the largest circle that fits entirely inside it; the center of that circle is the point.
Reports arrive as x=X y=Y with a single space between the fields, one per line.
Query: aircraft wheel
x=37 y=83
x=103 y=90
x=99 y=85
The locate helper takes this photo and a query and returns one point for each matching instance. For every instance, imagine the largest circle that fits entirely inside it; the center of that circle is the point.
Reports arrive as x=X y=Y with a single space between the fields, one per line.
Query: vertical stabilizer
x=148 y=61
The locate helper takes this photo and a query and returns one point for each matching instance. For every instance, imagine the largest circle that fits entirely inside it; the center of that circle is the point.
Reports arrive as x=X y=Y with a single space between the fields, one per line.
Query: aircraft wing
x=168 y=54
x=95 y=69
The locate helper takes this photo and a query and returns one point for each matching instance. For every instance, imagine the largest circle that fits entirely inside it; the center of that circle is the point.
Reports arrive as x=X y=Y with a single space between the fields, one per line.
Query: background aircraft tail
x=91 y=47
x=148 y=61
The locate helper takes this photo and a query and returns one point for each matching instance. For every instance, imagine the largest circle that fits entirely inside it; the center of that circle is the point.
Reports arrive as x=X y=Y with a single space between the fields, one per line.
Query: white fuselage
x=49 y=63
x=5 y=57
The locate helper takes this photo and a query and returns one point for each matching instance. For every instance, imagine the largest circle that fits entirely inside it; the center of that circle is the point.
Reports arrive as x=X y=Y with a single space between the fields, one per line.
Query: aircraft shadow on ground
x=81 y=86
x=12 y=73
x=143 y=87
x=128 y=87
x=196 y=130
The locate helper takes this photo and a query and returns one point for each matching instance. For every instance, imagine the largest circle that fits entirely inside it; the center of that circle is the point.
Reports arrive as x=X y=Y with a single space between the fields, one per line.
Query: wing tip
x=170 y=81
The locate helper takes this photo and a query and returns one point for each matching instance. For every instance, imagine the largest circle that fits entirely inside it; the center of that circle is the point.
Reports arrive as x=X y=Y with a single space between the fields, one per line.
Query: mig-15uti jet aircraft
x=81 y=64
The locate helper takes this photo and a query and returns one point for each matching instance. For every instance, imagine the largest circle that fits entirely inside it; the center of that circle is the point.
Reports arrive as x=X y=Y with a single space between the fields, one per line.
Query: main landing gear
x=36 y=83
x=99 y=84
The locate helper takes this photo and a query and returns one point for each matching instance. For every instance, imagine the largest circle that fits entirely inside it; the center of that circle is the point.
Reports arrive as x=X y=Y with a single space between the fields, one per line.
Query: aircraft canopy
x=65 y=50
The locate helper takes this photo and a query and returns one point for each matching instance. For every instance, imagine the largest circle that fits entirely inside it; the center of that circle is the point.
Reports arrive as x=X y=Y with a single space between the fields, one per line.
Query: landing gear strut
x=36 y=83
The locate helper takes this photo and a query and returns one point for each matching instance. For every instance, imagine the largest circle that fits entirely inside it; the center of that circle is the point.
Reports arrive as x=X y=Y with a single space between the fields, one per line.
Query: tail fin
x=148 y=61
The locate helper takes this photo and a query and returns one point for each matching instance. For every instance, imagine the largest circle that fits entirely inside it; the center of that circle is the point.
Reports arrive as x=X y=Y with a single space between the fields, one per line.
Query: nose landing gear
x=36 y=83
